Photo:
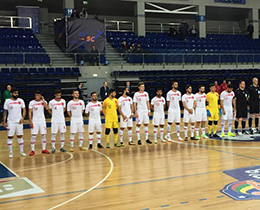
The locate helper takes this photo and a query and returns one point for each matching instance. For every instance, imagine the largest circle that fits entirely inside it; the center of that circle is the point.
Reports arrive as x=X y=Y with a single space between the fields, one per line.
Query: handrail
x=11 y=20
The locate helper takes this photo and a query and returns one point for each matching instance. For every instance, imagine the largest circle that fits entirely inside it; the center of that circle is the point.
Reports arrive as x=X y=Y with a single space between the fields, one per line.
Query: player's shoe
x=197 y=137
x=245 y=132
x=63 y=150
x=251 y=131
x=53 y=150
x=131 y=143
x=117 y=144
x=72 y=149
x=90 y=147
x=162 y=140
x=32 y=153
x=193 y=138
x=139 y=142
x=45 y=151
x=82 y=148
x=99 y=146
x=223 y=135
x=23 y=154
x=148 y=141
x=209 y=135
x=11 y=155
x=216 y=135
x=230 y=134
x=168 y=138
x=186 y=139
x=204 y=136
x=155 y=141
x=122 y=144
x=237 y=134
x=108 y=146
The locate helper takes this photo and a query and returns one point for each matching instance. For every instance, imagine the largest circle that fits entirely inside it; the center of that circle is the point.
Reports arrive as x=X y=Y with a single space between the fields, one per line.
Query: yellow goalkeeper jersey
x=110 y=109
x=212 y=99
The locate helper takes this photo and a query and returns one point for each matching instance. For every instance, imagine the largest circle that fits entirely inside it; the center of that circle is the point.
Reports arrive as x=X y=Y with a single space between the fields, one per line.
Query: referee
x=254 y=93
x=241 y=97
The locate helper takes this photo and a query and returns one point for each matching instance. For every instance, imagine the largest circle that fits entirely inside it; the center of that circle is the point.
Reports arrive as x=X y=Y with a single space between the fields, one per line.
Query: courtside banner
x=86 y=32
x=60 y=34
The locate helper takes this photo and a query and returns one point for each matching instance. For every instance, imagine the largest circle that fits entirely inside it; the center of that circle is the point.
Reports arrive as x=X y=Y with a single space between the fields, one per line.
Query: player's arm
x=104 y=106
x=23 y=115
x=50 y=109
x=30 y=117
x=120 y=112
x=222 y=107
x=194 y=104
x=132 y=110
x=234 y=101
x=4 y=118
x=149 y=108
x=87 y=111
x=45 y=104
x=185 y=107
x=69 y=113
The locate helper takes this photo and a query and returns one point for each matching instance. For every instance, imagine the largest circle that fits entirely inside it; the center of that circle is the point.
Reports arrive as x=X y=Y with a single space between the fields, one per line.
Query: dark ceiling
x=122 y=8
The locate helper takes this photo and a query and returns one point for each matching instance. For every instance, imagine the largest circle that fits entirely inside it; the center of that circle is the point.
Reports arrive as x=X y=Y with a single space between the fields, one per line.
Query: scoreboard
x=231 y=1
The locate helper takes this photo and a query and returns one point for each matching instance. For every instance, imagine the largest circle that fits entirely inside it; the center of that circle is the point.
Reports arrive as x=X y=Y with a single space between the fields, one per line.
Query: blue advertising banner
x=32 y=12
x=244 y=173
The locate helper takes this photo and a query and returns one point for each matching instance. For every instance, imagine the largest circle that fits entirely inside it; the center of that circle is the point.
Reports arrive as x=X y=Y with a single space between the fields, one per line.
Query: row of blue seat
x=26 y=58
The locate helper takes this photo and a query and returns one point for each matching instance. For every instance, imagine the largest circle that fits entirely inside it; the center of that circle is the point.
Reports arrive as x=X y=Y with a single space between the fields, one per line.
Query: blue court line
x=202 y=199
x=145 y=209
x=185 y=202
x=165 y=206
x=220 y=196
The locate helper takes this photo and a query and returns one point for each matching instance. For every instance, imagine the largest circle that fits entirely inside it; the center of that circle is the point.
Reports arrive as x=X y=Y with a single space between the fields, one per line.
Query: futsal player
x=200 y=112
x=93 y=110
x=109 y=109
x=126 y=110
x=75 y=108
x=213 y=110
x=158 y=106
x=189 y=104
x=57 y=107
x=37 y=121
x=227 y=101
x=173 y=98
x=254 y=95
x=241 y=97
x=15 y=108
x=142 y=111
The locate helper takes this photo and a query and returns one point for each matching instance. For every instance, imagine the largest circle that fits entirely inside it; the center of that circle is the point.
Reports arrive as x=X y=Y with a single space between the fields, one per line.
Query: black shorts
x=254 y=107
x=241 y=112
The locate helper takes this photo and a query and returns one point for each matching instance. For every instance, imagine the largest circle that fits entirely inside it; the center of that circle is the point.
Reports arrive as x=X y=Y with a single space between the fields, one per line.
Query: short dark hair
x=187 y=86
x=200 y=86
x=123 y=89
x=75 y=91
x=14 y=89
x=211 y=85
x=230 y=86
x=174 y=82
x=140 y=83
x=93 y=93
x=37 y=92
x=57 y=91
x=159 y=89
x=111 y=91
x=241 y=81
x=8 y=85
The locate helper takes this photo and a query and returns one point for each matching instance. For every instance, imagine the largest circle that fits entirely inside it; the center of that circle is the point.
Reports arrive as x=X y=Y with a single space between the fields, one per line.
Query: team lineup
x=199 y=109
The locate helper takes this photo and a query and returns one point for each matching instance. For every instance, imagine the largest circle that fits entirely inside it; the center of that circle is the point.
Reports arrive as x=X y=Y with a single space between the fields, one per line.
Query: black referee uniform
x=254 y=93
x=241 y=105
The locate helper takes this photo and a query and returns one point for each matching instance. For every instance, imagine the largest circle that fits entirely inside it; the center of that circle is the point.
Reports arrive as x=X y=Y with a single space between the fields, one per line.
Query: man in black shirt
x=254 y=93
x=250 y=30
x=241 y=96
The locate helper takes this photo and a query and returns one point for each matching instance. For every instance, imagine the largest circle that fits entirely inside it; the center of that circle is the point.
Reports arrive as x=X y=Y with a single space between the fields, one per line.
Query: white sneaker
x=155 y=141
x=168 y=138
x=23 y=154
x=10 y=155
x=179 y=138
x=162 y=140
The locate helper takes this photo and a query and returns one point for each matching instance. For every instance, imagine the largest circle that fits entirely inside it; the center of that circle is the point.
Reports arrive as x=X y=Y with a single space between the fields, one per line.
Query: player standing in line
x=227 y=98
x=14 y=106
x=57 y=107
x=142 y=112
x=37 y=121
x=254 y=95
x=158 y=106
x=241 y=96
x=111 y=119
x=75 y=108
x=200 y=112
x=93 y=110
x=174 y=112
x=126 y=109
x=189 y=104
x=213 y=110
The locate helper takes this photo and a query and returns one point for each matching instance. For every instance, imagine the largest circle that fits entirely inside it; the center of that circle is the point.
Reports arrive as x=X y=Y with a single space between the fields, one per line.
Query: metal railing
x=13 y=22
x=118 y=25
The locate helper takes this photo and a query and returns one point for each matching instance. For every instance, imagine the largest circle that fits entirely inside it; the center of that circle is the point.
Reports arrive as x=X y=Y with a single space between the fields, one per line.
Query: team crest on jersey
x=19 y=102
x=74 y=107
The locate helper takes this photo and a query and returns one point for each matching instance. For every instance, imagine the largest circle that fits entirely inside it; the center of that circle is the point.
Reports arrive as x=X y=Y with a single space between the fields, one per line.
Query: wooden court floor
x=164 y=176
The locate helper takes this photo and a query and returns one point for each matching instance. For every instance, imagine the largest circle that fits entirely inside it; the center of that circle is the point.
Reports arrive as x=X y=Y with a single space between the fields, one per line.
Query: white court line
x=92 y=188
x=9 y=169
x=54 y=164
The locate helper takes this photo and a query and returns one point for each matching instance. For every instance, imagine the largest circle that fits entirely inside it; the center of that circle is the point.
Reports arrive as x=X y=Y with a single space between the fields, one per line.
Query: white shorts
x=55 y=127
x=142 y=118
x=39 y=126
x=127 y=123
x=201 y=115
x=94 y=126
x=188 y=117
x=76 y=127
x=14 y=128
x=228 y=115
x=158 y=121
x=174 y=116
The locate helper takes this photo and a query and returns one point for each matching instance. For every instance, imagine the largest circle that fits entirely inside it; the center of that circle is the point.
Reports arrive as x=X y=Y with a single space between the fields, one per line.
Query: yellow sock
x=215 y=128
x=116 y=137
x=107 y=138
x=209 y=129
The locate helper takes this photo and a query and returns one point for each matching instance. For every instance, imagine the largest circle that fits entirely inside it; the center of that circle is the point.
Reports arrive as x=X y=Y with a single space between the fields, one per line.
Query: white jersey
x=200 y=100
x=94 y=110
x=141 y=100
x=227 y=100
x=125 y=104
x=189 y=99
x=158 y=106
x=57 y=108
x=14 y=108
x=174 y=97
x=37 y=110
x=76 y=108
